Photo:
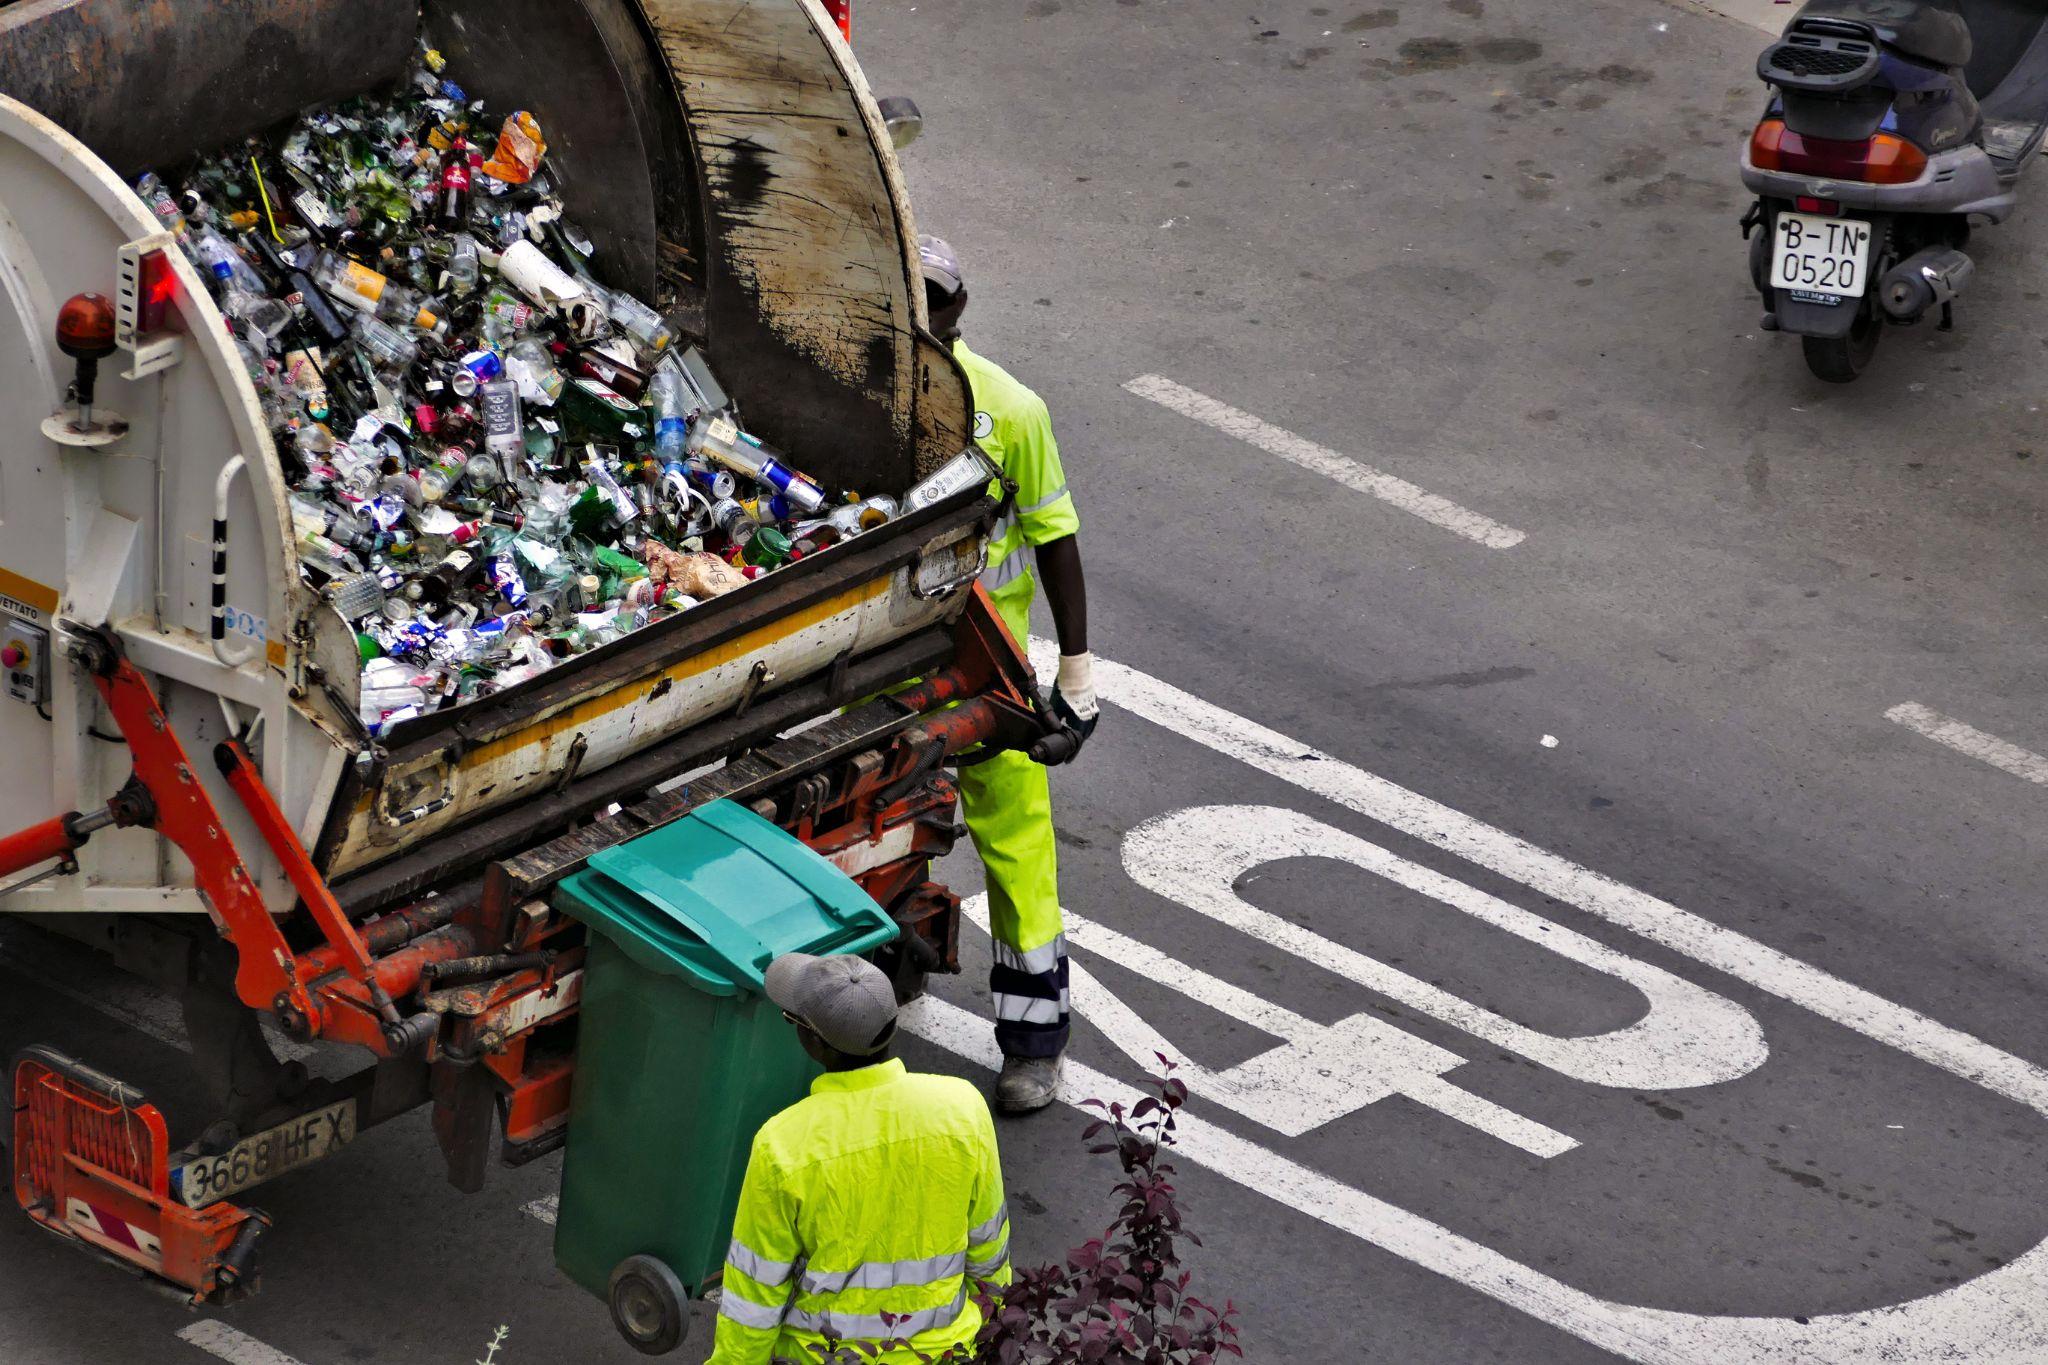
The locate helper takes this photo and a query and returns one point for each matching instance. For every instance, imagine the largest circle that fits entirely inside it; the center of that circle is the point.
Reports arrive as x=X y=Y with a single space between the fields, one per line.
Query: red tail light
x=842 y=15
x=1884 y=159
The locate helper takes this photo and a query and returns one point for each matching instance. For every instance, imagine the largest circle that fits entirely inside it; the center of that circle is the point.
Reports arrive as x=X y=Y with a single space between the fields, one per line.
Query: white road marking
x=1321 y=1073
x=223 y=1342
x=1769 y=16
x=1967 y=739
x=1325 y=461
x=1688 y=1037
x=1998 y=1317
x=544 y=1209
x=1436 y=824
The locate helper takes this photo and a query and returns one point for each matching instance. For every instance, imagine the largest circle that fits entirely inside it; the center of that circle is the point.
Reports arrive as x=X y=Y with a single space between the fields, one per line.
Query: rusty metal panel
x=813 y=299
x=148 y=82
x=587 y=72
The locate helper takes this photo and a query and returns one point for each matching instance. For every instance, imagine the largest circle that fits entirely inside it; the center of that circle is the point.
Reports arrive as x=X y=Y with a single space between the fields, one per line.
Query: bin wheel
x=649 y=1305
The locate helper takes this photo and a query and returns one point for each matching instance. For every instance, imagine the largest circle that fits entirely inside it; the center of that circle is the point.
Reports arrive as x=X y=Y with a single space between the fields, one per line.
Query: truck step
x=92 y=1165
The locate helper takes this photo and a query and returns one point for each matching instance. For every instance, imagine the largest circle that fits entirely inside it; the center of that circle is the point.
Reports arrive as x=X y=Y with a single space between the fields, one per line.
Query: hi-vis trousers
x=1007 y=804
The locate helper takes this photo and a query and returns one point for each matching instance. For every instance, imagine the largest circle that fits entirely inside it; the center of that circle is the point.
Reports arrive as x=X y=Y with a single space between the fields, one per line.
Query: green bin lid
x=716 y=896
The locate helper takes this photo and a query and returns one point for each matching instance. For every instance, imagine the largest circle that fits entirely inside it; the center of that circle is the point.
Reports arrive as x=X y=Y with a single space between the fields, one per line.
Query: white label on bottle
x=723 y=429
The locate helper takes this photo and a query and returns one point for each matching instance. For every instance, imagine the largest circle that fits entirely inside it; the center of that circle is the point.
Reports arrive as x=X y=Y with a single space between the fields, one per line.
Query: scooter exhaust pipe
x=1930 y=276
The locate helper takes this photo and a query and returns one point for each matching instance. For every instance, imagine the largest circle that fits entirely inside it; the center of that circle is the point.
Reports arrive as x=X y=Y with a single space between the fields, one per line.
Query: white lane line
x=1320 y=1074
x=223 y=1342
x=543 y=1209
x=1698 y=938
x=1325 y=461
x=1770 y=16
x=1968 y=739
x=2000 y=1316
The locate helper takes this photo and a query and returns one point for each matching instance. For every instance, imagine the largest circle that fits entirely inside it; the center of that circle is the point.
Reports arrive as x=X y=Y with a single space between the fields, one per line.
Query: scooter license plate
x=1825 y=256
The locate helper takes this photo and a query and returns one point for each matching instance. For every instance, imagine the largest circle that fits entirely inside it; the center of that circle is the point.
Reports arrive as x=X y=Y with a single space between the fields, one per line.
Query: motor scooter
x=1893 y=127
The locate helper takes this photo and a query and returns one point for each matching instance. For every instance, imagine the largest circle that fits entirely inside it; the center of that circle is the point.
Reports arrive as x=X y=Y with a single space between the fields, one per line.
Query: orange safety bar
x=92 y=1164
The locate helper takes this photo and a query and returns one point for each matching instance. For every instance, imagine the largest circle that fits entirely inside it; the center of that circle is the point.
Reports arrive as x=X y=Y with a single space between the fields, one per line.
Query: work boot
x=1027 y=1084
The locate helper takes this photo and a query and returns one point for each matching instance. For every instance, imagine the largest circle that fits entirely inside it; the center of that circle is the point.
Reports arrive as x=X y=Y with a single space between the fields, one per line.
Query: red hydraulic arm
x=164 y=794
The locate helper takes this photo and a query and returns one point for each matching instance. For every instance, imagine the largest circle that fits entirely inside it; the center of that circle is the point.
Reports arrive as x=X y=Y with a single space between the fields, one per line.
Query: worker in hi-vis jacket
x=873 y=1208
x=1007 y=800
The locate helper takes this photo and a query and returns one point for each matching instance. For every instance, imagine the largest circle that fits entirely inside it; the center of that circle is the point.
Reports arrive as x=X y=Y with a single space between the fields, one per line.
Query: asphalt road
x=1576 y=951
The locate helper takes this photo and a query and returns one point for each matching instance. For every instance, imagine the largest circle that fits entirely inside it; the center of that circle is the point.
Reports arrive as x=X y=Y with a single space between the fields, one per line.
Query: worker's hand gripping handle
x=1074 y=710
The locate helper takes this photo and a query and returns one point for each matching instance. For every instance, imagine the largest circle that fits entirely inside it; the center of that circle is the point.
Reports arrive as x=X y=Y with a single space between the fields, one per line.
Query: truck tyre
x=649 y=1305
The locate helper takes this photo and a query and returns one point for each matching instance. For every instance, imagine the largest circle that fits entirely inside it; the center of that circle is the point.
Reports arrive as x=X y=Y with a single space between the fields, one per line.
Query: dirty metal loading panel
x=147 y=84
x=520 y=826
x=826 y=343
x=616 y=140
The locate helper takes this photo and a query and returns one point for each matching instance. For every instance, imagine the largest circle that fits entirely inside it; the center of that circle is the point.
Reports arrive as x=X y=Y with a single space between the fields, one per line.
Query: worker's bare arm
x=1066 y=592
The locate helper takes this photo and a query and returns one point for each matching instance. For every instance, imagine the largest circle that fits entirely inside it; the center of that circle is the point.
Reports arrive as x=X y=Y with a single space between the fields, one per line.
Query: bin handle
x=676 y=901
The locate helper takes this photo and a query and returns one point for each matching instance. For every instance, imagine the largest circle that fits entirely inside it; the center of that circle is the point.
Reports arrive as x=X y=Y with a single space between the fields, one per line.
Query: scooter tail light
x=1827 y=208
x=1884 y=159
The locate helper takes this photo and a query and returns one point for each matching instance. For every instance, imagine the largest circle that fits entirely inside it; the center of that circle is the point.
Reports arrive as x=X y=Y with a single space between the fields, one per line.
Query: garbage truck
x=192 y=791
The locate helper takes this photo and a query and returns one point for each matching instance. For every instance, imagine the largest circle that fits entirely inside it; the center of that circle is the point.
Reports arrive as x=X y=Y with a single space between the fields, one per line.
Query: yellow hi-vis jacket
x=880 y=1194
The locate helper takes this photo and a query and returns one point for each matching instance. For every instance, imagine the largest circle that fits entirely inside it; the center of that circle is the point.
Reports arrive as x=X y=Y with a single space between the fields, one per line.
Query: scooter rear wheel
x=1838 y=360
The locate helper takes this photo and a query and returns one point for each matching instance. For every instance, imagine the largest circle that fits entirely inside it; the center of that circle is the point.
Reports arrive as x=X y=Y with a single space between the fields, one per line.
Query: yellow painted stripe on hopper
x=41 y=596
x=593 y=707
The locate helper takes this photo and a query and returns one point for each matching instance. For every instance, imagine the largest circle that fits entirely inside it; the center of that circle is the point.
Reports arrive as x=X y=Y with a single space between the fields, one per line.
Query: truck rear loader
x=190 y=789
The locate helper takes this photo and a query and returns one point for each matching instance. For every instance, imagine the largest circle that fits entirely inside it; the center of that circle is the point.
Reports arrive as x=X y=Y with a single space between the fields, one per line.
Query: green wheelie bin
x=680 y=1057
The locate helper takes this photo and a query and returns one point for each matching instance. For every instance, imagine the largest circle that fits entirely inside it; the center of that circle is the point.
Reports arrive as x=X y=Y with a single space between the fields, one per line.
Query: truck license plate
x=266 y=1155
x=1815 y=255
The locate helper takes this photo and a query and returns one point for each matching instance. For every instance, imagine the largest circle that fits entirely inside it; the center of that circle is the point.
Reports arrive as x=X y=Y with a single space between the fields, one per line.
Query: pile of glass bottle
x=496 y=462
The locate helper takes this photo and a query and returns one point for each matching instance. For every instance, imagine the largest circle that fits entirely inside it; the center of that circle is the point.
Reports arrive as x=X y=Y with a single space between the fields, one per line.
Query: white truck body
x=119 y=535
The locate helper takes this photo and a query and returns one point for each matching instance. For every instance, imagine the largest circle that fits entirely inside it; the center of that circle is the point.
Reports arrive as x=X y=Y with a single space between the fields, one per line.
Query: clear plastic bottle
x=464 y=268
x=671 y=415
x=483 y=472
x=370 y=291
x=317 y=551
x=648 y=329
x=444 y=473
x=388 y=687
x=599 y=472
x=532 y=367
x=230 y=272
x=152 y=192
x=356 y=595
x=388 y=348
x=717 y=438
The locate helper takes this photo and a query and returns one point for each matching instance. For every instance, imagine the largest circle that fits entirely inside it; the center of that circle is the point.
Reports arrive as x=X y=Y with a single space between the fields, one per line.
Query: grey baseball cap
x=940 y=262
x=845 y=1000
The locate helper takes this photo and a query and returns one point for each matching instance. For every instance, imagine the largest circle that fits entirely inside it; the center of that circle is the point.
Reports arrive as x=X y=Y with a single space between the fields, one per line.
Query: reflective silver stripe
x=885 y=1274
x=1024 y=1009
x=755 y=1266
x=747 y=1313
x=1038 y=961
x=981 y=1270
x=1048 y=500
x=1010 y=569
x=872 y=1327
x=986 y=1232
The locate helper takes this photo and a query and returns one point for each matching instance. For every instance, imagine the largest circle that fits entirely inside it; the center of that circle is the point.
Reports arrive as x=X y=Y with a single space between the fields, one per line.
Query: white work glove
x=1075 y=685
x=1073 y=699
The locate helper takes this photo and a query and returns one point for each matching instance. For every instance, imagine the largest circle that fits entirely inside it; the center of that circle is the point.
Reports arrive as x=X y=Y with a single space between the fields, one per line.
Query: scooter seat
x=1916 y=28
